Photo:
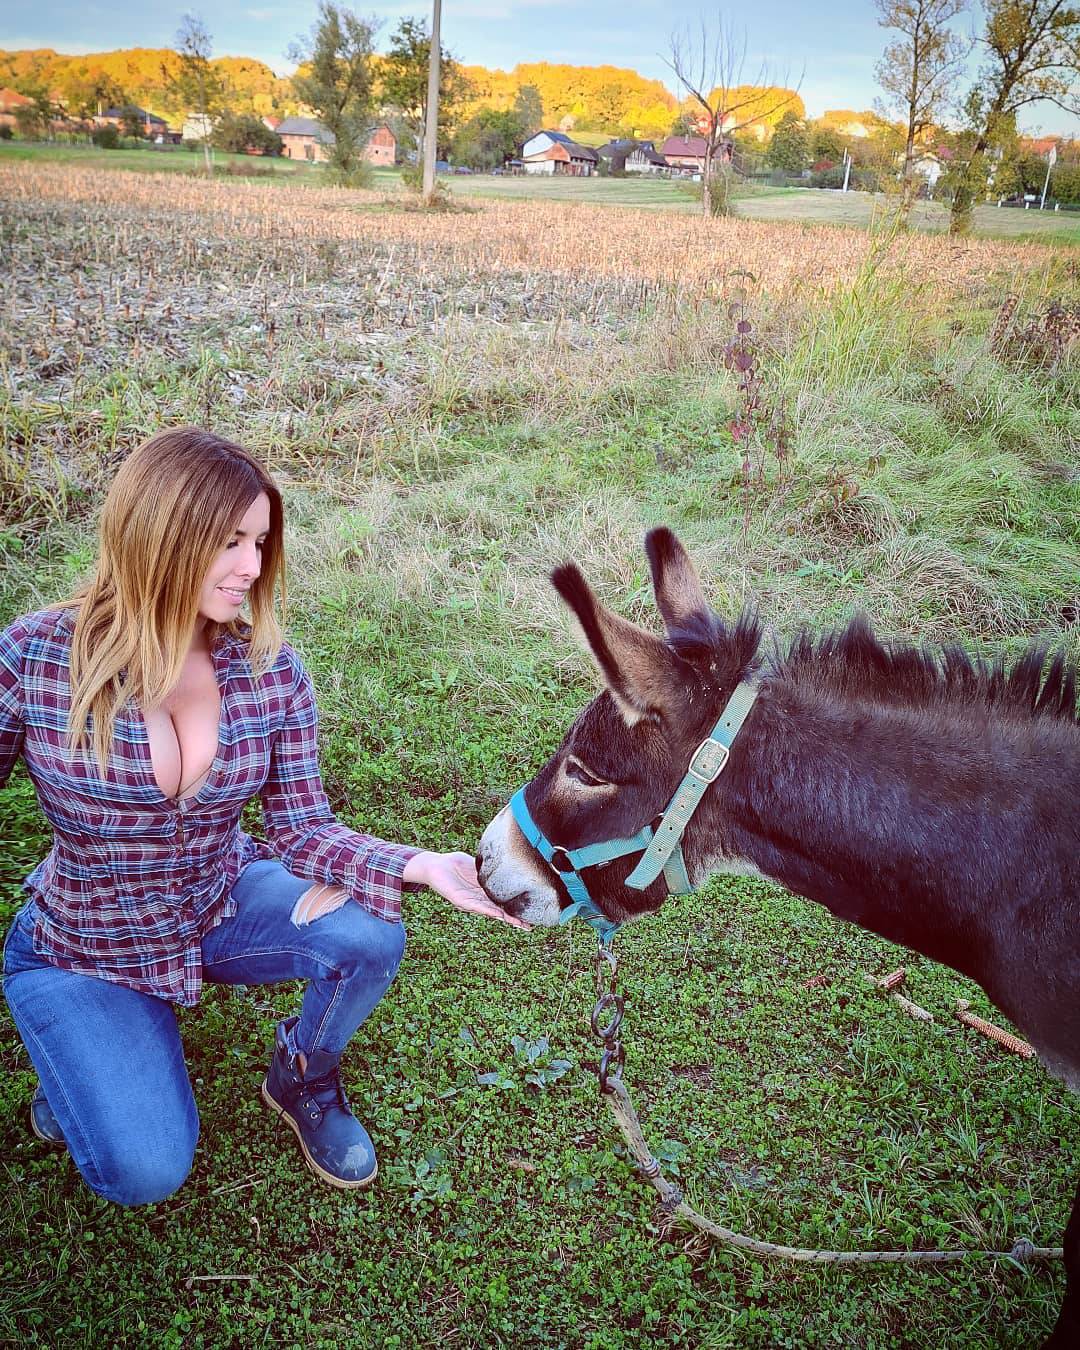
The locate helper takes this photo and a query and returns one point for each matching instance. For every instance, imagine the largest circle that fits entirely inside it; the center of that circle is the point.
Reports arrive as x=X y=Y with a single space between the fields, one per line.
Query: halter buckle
x=708 y=760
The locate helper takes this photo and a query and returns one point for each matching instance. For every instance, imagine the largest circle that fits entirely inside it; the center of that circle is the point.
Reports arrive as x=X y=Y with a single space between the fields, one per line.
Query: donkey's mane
x=852 y=661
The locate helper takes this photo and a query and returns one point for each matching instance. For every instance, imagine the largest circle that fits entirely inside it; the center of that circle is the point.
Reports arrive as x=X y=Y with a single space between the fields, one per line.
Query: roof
x=573 y=149
x=626 y=145
x=130 y=110
x=306 y=126
x=11 y=98
x=685 y=145
x=617 y=147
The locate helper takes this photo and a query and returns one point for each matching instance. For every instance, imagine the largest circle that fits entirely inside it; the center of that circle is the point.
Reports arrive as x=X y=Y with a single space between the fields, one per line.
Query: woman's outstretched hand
x=453 y=876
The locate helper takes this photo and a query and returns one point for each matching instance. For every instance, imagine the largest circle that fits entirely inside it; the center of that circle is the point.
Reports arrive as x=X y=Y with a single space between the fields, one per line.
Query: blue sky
x=832 y=46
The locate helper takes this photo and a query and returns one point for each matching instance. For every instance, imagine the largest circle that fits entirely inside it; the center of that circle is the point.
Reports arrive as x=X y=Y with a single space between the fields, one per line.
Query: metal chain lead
x=607 y=1015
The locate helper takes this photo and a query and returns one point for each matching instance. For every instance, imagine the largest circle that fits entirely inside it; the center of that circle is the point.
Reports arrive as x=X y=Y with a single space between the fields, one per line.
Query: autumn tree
x=1031 y=52
x=529 y=109
x=918 y=69
x=196 y=82
x=86 y=89
x=404 y=81
x=709 y=65
x=335 y=81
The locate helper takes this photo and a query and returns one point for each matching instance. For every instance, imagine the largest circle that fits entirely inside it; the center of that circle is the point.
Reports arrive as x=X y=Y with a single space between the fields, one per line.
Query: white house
x=930 y=167
x=197 y=127
x=554 y=152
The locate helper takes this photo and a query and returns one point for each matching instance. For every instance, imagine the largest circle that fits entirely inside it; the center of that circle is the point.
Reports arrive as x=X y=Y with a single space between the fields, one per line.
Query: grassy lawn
x=449 y=414
x=858 y=208
x=152 y=159
x=805 y=206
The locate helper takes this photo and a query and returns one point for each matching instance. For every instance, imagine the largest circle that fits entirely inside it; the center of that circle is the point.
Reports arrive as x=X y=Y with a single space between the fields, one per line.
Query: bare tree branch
x=709 y=66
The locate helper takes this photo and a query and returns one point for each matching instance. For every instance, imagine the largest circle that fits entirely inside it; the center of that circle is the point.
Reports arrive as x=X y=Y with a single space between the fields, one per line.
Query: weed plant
x=450 y=413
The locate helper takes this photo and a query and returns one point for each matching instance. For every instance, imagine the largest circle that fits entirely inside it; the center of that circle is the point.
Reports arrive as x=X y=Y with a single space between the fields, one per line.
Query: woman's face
x=235 y=568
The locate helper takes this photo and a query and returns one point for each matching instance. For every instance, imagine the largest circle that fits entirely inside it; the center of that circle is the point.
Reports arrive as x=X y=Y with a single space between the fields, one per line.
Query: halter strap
x=706 y=764
x=661 y=849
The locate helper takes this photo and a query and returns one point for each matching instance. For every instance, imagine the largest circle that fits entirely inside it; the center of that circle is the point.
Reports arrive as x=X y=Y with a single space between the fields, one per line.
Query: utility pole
x=1051 y=160
x=847 y=169
x=431 y=119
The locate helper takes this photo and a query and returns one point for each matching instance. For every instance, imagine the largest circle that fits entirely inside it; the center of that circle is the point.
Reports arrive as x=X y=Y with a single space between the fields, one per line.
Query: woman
x=148 y=713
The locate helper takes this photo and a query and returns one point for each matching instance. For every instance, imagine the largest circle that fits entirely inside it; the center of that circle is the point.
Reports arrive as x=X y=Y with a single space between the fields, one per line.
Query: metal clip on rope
x=607 y=1016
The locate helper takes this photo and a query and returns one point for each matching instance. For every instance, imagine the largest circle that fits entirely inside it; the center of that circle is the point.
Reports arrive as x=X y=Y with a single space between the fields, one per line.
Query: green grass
x=434 y=469
x=160 y=159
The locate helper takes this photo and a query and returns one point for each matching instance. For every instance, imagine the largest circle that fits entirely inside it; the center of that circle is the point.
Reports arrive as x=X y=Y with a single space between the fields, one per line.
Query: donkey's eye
x=576 y=770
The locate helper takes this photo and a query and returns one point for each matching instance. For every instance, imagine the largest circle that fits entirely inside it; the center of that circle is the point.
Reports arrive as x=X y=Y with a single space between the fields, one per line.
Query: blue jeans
x=110 y=1059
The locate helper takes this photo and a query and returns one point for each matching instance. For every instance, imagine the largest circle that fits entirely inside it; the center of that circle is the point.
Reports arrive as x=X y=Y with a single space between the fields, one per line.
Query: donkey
x=929 y=797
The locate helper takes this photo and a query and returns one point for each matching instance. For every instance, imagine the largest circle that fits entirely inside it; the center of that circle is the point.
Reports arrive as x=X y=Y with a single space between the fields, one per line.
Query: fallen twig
x=889 y=984
x=197 y=1279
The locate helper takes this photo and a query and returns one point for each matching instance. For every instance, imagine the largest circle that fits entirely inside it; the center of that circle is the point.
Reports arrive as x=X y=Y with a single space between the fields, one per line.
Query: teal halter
x=660 y=849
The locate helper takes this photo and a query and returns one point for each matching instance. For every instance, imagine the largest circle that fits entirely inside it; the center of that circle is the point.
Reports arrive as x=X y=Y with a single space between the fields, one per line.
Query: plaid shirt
x=135 y=878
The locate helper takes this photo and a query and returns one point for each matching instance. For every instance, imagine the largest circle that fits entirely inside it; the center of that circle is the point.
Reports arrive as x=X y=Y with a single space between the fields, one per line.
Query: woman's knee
x=145 y=1179
x=370 y=947
x=388 y=948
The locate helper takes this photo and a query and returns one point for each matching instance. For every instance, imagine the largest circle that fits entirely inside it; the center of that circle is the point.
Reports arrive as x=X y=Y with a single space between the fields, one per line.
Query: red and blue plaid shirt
x=135 y=879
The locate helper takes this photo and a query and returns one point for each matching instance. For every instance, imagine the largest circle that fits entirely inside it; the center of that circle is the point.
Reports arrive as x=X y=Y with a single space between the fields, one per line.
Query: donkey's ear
x=675 y=581
x=636 y=667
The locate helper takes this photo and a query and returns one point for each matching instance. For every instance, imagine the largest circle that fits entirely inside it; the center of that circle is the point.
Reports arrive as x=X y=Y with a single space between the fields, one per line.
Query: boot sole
x=320 y=1172
x=46 y=1138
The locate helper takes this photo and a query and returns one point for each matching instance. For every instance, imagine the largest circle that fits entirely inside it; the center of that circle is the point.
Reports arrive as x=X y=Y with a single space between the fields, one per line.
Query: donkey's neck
x=860 y=809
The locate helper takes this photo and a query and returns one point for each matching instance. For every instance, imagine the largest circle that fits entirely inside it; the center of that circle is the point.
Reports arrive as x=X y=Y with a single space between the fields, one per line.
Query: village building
x=197 y=127
x=306 y=138
x=1040 y=145
x=381 y=147
x=686 y=154
x=929 y=165
x=552 y=152
x=149 y=124
x=10 y=103
x=632 y=156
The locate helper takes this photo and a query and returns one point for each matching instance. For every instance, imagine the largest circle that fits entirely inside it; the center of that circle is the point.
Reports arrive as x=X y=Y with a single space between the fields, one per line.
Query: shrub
x=238 y=132
x=1065 y=184
x=412 y=175
x=361 y=175
x=106 y=138
x=6 y=133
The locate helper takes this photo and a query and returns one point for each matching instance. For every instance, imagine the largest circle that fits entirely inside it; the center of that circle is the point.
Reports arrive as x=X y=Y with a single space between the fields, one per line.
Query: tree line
x=1027 y=50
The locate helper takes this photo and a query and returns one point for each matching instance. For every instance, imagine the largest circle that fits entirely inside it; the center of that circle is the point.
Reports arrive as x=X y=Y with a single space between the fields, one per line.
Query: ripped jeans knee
x=316 y=901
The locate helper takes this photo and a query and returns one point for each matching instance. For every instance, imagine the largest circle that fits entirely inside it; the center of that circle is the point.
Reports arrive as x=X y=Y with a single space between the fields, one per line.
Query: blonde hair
x=172 y=507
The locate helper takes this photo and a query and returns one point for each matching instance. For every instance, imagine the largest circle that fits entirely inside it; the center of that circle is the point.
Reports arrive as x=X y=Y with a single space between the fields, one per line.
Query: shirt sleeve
x=11 y=703
x=304 y=833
